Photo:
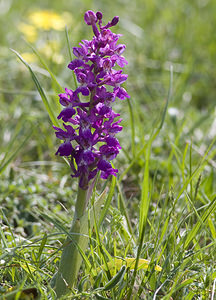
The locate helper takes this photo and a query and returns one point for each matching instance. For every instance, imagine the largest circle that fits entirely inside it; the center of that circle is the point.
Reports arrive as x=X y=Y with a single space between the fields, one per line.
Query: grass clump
x=155 y=237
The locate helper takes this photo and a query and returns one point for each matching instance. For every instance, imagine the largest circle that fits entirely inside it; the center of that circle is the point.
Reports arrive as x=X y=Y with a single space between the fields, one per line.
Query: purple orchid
x=89 y=141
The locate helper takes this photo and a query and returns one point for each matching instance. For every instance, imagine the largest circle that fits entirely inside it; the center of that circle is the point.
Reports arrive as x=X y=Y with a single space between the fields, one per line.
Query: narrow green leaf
x=131 y=164
x=124 y=208
x=98 y=280
x=99 y=297
x=17 y=131
x=144 y=203
x=183 y=161
x=14 y=154
x=211 y=208
x=42 y=245
x=108 y=201
x=186 y=282
x=3 y=238
x=116 y=279
x=100 y=246
x=68 y=43
x=132 y=128
x=40 y=90
x=46 y=67
x=70 y=55
x=168 y=97
x=164 y=229
x=212 y=228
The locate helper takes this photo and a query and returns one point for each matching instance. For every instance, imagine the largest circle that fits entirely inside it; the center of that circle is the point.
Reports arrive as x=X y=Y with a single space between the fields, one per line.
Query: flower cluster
x=89 y=135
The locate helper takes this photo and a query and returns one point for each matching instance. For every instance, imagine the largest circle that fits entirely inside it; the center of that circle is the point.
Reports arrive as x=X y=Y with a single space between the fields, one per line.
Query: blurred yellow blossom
x=29 y=57
x=29 y=31
x=51 y=50
x=67 y=18
x=44 y=20
x=47 y=20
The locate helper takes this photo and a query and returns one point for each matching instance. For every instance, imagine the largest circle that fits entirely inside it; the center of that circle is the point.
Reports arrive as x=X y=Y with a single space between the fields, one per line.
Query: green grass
x=162 y=205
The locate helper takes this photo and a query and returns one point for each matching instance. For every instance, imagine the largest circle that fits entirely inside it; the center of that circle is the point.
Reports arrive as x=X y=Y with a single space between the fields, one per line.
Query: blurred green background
x=157 y=34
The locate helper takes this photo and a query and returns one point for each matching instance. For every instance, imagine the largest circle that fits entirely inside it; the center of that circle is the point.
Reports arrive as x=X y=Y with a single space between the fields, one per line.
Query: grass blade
x=68 y=43
x=14 y=154
x=211 y=208
x=132 y=128
x=46 y=67
x=40 y=90
x=108 y=201
x=70 y=55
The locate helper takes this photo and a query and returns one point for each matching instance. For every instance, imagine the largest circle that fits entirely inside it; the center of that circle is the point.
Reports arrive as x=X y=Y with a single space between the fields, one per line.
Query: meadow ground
x=166 y=186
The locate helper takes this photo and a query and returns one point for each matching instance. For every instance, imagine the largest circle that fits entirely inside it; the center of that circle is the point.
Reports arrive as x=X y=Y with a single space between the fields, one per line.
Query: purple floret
x=66 y=114
x=89 y=140
x=65 y=149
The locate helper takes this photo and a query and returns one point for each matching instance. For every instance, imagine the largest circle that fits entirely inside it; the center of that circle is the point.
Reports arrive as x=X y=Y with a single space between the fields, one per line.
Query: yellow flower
x=130 y=263
x=29 y=31
x=29 y=57
x=47 y=20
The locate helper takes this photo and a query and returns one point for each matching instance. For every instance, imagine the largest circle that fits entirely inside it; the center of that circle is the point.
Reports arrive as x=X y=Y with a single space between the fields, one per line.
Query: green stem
x=71 y=259
x=81 y=203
